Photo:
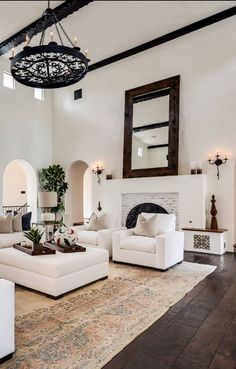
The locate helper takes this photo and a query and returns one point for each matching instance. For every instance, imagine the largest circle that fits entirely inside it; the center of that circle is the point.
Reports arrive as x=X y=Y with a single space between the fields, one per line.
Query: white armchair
x=101 y=238
x=7 y=306
x=161 y=252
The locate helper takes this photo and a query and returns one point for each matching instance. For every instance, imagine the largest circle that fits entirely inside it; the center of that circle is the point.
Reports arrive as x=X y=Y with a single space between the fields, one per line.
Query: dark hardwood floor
x=198 y=332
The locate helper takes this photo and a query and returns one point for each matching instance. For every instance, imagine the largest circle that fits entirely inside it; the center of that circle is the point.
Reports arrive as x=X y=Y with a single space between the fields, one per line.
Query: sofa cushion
x=146 y=226
x=6 y=224
x=17 y=223
x=96 y=222
x=139 y=243
x=165 y=222
x=8 y=239
x=56 y=265
x=26 y=221
x=88 y=237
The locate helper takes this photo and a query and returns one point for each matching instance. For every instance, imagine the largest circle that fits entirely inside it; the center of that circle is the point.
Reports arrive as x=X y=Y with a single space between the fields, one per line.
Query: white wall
x=157 y=157
x=91 y=129
x=26 y=126
x=151 y=111
x=138 y=161
x=87 y=193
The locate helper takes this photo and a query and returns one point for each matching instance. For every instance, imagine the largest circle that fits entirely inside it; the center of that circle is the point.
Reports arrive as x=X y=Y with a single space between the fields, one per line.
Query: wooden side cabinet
x=207 y=241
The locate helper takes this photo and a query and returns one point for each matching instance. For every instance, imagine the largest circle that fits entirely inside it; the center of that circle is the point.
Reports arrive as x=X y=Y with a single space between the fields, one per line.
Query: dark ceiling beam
x=62 y=11
x=166 y=38
x=157 y=146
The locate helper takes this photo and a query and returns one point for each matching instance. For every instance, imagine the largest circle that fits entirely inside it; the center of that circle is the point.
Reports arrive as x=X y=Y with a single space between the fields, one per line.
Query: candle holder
x=218 y=162
x=98 y=171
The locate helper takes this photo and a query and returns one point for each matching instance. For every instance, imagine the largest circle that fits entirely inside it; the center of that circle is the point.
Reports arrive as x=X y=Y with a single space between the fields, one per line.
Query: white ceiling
x=15 y=15
x=109 y=27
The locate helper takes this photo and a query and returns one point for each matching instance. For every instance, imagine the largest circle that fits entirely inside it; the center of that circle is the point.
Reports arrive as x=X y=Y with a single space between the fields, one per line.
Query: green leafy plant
x=53 y=179
x=34 y=235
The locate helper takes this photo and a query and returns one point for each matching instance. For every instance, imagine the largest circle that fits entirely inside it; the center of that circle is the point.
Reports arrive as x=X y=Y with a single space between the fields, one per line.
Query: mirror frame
x=172 y=84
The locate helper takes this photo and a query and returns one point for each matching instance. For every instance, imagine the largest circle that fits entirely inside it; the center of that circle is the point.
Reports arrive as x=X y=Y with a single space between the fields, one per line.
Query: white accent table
x=7 y=319
x=207 y=241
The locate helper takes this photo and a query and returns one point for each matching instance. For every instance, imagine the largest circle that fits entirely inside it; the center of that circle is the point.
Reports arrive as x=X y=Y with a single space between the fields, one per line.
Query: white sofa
x=8 y=239
x=101 y=239
x=160 y=252
x=7 y=312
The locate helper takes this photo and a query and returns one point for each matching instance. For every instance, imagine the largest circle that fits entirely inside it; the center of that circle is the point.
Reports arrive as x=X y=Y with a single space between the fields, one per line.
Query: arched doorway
x=20 y=186
x=79 y=195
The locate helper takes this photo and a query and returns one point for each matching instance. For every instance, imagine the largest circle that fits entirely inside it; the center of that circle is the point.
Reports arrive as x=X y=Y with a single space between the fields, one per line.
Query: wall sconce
x=98 y=171
x=218 y=162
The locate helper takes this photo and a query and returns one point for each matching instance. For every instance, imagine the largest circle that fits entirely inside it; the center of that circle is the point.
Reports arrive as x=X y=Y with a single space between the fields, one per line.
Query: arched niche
x=19 y=177
x=78 y=199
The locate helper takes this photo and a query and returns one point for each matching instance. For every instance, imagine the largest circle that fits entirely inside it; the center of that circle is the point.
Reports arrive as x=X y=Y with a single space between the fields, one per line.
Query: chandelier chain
x=55 y=24
x=44 y=28
x=30 y=38
x=42 y=38
x=68 y=38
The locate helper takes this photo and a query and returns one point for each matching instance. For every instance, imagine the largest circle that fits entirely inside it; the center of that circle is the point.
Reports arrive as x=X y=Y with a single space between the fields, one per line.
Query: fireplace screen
x=146 y=207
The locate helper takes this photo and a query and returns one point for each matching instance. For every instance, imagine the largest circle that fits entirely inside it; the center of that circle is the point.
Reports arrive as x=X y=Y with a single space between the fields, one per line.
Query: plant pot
x=37 y=246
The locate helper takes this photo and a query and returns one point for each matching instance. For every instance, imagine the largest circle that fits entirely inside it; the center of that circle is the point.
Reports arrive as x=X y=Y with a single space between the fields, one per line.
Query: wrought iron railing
x=23 y=209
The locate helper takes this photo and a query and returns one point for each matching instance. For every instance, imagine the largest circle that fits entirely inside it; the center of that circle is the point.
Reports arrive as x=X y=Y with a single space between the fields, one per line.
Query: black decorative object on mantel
x=214 y=224
x=218 y=162
x=99 y=206
x=146 y=207
x=52 y=65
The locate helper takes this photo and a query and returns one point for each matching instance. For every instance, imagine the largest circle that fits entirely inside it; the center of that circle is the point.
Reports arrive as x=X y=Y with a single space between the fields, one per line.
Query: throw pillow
x=165 y=222
x=6 y=224
x=26 y=221
x=17 y=223
x=146 y=227
x=96 y=223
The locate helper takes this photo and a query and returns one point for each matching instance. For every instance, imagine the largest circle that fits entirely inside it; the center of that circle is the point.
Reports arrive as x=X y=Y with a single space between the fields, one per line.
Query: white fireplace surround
x=183 y=195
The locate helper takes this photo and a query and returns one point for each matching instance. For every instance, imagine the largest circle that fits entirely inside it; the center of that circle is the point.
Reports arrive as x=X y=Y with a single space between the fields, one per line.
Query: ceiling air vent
x=78 y=94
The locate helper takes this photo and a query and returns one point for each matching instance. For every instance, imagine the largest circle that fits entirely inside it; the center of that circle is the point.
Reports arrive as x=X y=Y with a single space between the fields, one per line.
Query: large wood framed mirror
x=151 y=132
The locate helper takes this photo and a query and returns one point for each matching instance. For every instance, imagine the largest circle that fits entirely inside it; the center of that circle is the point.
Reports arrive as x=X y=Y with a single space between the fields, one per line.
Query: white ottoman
x=56 y=274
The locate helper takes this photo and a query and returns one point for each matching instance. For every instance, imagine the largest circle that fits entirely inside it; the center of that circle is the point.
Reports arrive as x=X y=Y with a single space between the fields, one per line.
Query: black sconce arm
x=218 y=162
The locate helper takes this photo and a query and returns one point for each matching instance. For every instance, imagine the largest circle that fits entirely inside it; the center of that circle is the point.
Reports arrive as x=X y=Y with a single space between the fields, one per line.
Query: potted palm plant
x=34 y=235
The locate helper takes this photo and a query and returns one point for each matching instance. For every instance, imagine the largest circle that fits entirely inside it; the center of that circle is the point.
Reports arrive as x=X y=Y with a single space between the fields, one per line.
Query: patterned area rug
x=85 y=329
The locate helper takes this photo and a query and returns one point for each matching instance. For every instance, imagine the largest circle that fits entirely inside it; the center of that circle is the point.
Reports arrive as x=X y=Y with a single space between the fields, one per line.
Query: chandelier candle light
x=52 y=65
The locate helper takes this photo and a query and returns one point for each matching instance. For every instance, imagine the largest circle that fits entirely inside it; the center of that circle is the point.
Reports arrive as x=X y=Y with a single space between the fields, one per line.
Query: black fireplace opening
x=146 y=207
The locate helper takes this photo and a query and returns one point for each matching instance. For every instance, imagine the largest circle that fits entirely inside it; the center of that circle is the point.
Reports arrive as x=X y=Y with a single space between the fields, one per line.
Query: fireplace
x=145 y=207
x=184 y=196
x=136 y=203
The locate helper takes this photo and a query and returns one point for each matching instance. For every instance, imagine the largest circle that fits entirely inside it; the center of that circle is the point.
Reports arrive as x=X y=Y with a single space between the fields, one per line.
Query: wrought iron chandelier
x=52 y=65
